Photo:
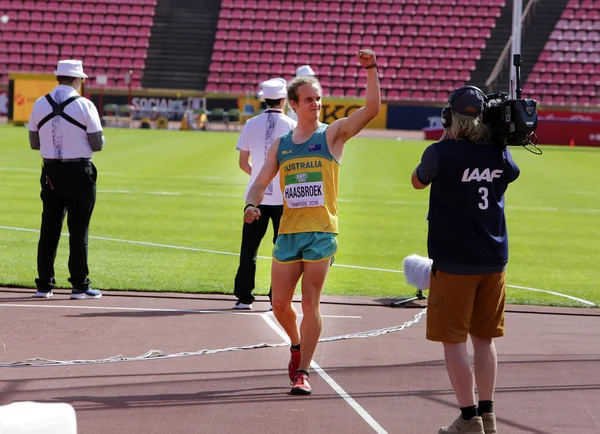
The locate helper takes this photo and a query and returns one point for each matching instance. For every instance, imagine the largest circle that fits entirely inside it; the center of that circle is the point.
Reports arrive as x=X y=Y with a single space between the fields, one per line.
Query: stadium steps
x=535 y=33
x=493 y=48
x=181 y=44
x=546 y=15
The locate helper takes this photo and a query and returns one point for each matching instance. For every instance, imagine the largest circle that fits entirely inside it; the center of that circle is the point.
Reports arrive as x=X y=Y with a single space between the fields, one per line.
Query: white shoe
x=43 y=294
x=85 y=295
x=242 y=306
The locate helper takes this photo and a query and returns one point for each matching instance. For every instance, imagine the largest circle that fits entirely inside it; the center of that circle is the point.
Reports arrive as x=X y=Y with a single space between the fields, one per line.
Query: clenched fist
x=251 y=214
x=366 y=57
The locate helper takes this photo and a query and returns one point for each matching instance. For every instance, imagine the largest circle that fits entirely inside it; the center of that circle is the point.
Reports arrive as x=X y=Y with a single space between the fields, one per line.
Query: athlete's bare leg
x=313 y=280
x=284 y=278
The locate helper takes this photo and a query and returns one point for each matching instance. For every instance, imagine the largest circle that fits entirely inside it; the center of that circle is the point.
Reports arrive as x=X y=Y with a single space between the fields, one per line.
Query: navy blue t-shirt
x=467 y=225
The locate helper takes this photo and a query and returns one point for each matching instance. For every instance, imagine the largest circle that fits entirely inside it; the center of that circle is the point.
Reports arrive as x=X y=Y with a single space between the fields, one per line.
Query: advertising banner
x=553 y=132
x=172 y=107
x=568 y=114
x=333 y=110
x=3 y=102
x=413 y=117
x=27 y=88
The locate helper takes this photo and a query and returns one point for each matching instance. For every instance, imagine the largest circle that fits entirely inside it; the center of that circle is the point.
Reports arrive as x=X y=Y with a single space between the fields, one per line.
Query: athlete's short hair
x=292 y=87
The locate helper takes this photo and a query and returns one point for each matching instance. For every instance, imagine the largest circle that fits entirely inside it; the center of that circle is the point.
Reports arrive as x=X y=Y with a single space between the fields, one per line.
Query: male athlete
x=308 y=160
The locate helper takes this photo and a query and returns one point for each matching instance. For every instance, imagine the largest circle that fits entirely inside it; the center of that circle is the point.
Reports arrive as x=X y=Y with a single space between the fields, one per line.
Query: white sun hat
x=70 y=68
x=274 y=88
x=304 y=70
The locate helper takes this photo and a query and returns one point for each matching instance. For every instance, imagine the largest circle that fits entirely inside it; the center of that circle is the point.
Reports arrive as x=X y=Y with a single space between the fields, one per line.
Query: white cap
x=70 y=68
x=274 y=88
x=304 y=70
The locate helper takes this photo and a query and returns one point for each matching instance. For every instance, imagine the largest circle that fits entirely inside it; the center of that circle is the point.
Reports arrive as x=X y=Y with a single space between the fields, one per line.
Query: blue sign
x=413 y=117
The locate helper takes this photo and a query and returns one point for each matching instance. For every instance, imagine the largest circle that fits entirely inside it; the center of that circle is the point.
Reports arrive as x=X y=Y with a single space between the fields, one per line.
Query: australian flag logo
x=312 y=148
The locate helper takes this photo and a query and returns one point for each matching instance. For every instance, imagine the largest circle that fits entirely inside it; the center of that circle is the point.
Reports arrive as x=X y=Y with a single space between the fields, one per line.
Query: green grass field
x=184 y=189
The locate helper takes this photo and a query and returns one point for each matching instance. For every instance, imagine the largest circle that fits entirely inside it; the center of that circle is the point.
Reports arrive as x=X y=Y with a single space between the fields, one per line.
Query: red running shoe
x=301 y=384
x=294 y=364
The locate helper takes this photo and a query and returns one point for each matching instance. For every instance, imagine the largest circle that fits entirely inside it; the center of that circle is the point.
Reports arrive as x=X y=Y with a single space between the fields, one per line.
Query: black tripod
x=418 y=296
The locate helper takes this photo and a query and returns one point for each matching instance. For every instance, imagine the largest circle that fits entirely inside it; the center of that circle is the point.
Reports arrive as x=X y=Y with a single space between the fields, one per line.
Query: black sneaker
x=84 y=295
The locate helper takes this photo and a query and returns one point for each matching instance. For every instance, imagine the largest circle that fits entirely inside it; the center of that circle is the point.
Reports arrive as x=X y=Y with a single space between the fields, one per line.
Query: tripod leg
x=401 y=302
x=418 y=296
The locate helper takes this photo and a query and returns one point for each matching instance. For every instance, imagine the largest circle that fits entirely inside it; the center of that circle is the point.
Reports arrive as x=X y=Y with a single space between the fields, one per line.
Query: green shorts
x=305 y=246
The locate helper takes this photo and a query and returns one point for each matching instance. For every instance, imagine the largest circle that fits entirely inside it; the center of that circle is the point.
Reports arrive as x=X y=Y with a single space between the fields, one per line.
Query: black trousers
x=252 y=235
x=67 y=188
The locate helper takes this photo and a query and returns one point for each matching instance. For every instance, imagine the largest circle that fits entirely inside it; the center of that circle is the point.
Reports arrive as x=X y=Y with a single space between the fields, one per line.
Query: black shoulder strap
x=58 y=110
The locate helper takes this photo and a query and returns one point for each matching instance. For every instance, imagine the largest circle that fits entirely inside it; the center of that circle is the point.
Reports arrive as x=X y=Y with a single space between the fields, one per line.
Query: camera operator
x=468 y=243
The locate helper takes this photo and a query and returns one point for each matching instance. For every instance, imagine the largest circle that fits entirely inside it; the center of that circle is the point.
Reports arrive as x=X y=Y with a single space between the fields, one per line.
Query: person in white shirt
x=66 y=129
x=253 y=144
x=302 y=71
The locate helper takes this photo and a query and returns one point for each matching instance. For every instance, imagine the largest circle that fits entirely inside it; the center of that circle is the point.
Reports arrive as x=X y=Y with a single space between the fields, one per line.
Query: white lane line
x=142 y=309
x=570 y=297
x=532 y=208
x=164 y=193
x=29 y=169
x=582 y=193
x=364 y=414
x=356 y=267
x=518 y=207
x=359 y=267
x=19 y=169
x=404 y=202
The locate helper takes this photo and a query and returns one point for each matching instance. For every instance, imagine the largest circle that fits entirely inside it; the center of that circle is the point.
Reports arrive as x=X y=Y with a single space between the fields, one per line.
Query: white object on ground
x=37 y=418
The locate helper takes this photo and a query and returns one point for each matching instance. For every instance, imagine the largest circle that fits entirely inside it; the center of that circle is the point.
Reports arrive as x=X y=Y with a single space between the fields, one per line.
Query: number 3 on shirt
x=484 y=197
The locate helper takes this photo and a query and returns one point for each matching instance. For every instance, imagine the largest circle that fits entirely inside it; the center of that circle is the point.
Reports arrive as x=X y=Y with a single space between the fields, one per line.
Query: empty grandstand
x=427 y=48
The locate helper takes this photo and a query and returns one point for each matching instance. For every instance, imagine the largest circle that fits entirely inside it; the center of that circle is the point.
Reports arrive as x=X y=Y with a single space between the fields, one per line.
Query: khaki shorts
x=463 y=304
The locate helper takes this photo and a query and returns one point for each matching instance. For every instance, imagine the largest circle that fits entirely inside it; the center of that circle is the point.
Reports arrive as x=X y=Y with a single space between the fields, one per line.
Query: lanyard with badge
x=269 y=139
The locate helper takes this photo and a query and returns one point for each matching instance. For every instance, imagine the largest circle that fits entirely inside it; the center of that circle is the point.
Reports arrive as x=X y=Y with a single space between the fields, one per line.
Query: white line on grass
x=19 y=169
x=144 y=309
x=582 y=193
x=165 y=193
x=364 y=414
x=397 y=202
x=29 y=169
x=356 y=267
x=570 y=297
x=517 y=207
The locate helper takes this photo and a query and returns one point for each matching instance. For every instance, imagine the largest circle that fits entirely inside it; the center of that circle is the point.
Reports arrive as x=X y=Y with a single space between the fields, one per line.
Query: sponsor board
x=408 y=117
x=3 y=102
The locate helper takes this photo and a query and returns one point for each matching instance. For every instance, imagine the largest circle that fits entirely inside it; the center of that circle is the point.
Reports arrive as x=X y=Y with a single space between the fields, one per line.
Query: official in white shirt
x=302 y=71
x=253 y=144
x=66 y=129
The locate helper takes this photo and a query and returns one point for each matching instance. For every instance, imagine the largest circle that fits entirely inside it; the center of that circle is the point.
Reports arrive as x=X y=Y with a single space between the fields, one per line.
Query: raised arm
x=256 y=193
x=344 y=129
